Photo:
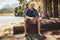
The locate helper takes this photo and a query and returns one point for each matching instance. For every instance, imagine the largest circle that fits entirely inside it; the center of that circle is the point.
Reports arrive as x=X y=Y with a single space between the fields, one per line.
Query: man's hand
x=36 y=18
x=32 y=18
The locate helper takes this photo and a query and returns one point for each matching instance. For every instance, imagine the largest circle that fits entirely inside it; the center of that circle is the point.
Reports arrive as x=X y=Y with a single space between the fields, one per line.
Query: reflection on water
x=4 y=20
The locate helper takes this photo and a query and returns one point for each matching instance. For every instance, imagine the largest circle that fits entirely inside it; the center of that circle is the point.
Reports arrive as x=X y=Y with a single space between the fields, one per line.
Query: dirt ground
x=50 y=35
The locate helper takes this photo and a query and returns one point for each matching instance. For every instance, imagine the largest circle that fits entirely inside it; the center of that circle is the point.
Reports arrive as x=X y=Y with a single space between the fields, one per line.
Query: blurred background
x=46 y=8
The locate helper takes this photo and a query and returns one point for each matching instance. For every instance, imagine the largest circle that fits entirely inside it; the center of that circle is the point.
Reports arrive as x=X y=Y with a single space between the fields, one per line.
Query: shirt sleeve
x=36 y=13
x=26 y=12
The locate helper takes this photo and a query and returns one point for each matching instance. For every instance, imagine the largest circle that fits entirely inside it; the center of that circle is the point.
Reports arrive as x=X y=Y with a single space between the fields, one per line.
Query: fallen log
x=32 y=28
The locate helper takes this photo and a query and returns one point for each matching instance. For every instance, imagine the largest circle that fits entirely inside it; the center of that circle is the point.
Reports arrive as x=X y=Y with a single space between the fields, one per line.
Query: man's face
x=32 y=5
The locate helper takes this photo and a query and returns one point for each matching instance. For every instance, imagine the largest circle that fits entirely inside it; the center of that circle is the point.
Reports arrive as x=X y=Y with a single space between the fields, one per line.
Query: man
x=32 y=15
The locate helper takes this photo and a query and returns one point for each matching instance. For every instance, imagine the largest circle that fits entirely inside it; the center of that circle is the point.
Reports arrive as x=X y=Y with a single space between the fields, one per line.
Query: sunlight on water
x=4 y=20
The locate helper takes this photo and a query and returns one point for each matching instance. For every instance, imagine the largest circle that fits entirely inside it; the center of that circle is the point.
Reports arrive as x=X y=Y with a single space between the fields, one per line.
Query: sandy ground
x=5 y=28
x=6 y=33
x=50 y=35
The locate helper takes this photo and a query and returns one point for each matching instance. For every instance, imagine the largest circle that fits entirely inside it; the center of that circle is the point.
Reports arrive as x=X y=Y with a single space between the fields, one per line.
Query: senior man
x=32 y=15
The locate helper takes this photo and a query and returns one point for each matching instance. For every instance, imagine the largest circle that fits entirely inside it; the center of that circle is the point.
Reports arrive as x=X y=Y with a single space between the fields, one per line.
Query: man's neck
x=31 y=9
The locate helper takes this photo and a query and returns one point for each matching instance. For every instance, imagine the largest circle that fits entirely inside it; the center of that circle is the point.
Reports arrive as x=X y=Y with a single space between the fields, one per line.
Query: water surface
x=5 y=19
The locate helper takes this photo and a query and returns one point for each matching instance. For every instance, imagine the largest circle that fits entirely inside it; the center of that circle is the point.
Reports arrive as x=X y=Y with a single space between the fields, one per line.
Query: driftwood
x=32 y=28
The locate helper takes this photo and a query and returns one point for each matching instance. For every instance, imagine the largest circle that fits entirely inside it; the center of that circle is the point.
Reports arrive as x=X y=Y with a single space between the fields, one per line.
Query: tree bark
x=55 y=8
x=45 y=9
x=50 y=8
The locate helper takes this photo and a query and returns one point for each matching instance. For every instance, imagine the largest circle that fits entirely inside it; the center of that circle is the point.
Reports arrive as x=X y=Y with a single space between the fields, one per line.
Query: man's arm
x=31 y=18
x=36 y=14
x=26 y=15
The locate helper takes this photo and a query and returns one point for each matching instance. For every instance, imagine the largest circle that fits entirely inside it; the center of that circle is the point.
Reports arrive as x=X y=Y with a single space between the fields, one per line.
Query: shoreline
x=4 y=29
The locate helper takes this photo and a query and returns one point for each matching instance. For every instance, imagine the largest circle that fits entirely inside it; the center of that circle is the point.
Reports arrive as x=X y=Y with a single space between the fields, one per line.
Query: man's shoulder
x=27 y=9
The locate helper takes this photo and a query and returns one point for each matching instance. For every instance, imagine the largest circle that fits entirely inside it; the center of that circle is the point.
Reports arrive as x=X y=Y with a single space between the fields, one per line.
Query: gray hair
x=32 y=3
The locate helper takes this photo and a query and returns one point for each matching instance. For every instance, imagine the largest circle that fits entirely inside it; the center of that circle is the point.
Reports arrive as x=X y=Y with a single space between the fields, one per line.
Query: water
x=4 y=20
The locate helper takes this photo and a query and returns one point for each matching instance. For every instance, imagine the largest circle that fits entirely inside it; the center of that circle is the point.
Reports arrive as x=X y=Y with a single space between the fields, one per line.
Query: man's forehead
x=32 y=3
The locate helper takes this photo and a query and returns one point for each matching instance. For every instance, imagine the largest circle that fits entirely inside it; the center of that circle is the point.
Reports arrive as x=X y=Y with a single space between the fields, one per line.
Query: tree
x=45 y=9
x=49 y=7
x=55 y=8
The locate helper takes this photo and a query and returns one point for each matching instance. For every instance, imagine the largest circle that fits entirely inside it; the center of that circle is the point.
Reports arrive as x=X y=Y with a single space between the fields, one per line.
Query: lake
x=7 y=19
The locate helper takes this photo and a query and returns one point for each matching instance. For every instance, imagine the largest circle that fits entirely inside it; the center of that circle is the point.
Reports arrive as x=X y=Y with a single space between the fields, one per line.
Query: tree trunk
x=50 y=8
x=45 y=9
x=55 y=8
